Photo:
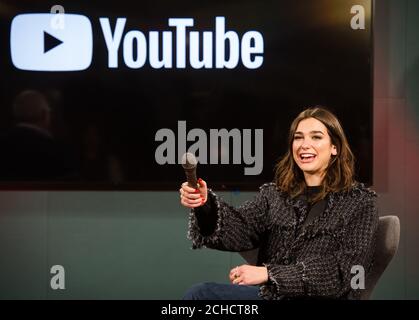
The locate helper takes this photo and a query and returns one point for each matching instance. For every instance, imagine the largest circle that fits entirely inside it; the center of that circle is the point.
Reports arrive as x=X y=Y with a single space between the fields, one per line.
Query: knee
x=198 y=291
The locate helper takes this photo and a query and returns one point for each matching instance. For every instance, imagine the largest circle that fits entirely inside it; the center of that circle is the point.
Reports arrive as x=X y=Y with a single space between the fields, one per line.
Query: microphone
x=189 y=164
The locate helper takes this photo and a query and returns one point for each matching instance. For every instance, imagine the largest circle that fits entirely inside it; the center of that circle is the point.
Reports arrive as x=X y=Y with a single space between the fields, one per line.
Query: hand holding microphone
x=194 y=192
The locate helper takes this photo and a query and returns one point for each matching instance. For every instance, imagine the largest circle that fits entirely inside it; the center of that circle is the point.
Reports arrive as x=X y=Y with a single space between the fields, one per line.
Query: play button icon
x=50 y=42
x=35 y=45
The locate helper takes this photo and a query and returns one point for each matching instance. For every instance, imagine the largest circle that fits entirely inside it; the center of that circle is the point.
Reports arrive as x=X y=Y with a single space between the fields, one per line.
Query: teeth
x=307 y=155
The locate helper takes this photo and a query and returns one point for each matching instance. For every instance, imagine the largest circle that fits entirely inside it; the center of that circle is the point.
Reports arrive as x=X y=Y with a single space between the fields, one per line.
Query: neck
x=313 y=179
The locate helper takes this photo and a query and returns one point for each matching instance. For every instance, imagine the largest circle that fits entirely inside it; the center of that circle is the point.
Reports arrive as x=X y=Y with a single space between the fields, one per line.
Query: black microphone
x=189 y=163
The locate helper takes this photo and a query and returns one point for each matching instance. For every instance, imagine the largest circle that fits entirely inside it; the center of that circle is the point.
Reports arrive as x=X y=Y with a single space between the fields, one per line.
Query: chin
x=307 y=166
x=309 y=169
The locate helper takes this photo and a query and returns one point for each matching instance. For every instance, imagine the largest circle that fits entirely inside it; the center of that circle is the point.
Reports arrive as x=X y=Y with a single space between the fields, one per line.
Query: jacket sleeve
x=330 y=275
x=228 y=228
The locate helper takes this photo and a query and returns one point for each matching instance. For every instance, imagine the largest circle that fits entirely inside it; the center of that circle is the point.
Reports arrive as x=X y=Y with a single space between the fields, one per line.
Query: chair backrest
x=250 y=256
x=387 y=242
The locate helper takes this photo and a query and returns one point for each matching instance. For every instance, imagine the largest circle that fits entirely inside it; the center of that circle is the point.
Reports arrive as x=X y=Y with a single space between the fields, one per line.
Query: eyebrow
x=315 y=131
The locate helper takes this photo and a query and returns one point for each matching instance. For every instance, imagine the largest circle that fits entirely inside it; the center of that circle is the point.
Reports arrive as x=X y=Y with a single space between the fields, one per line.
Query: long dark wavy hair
x=339 y=174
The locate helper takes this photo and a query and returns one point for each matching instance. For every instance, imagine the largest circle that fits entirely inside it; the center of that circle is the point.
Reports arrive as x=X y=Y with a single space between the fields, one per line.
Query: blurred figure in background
x=28 y=150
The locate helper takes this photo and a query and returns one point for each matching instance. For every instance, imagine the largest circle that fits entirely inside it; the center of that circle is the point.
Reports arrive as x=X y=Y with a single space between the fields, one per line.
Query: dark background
x=312 y=56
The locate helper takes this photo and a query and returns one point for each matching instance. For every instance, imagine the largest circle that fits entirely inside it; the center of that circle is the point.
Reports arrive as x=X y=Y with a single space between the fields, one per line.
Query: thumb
x=203 y=189
x=202 y=184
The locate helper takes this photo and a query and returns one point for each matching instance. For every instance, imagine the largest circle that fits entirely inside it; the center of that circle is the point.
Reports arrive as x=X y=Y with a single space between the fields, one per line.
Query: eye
x=317 y=137
x=297 y=137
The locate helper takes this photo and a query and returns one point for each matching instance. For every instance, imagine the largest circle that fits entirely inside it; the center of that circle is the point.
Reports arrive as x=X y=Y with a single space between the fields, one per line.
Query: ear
x=334 y=150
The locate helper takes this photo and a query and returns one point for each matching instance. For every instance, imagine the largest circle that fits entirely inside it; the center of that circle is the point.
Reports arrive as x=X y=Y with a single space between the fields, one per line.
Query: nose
x=304 y=144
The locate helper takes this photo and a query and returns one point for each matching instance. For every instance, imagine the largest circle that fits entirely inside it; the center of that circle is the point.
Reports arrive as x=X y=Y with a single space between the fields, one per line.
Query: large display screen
x=96 y=95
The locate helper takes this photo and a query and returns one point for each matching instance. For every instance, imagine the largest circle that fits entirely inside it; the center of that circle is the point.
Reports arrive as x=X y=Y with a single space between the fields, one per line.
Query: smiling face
x=312 y=149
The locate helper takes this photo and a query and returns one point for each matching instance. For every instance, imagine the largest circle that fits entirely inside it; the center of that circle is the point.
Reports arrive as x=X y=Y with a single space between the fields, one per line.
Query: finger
x=195 y=205
x=185 y=204
x=234 y=274
x=187 y=200
x=189 y=195
x=187 y=188
x=234 y=271
x=192 y=201
x=192 y=196
x=237 y=280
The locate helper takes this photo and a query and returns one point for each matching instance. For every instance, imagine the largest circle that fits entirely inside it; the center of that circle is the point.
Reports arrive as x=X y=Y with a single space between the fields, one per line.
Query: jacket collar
x=299 y=207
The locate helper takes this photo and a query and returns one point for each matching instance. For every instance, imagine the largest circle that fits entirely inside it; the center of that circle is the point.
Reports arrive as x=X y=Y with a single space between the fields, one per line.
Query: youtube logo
x=36 y=45
x=39 y=43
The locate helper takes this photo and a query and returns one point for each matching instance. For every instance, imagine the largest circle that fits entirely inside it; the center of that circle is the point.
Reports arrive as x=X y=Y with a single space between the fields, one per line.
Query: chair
x=388 y=237
x=387 y=242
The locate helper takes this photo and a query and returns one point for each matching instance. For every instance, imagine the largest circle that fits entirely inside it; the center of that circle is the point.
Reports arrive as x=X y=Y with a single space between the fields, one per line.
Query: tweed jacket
x=313 y=261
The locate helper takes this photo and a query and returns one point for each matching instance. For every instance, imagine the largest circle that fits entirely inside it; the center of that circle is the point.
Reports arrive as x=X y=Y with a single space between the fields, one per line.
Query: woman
x=312 y=225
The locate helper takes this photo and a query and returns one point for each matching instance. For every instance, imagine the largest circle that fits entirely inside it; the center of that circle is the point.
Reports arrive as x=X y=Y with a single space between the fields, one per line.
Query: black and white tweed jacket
x=312 y=261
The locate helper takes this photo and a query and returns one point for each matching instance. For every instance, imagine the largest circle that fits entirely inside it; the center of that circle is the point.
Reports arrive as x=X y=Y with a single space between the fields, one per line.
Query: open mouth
x=307 y=157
